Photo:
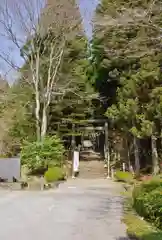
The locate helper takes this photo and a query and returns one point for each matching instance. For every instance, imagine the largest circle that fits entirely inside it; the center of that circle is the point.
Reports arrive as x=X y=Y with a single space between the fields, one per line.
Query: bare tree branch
x=41 y=38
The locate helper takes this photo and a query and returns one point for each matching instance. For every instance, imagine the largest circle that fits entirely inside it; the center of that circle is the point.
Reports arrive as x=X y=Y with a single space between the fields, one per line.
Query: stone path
x=77 y=210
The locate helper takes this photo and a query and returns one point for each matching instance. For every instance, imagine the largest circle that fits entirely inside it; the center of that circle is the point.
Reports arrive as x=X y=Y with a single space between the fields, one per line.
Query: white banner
x=76 y=161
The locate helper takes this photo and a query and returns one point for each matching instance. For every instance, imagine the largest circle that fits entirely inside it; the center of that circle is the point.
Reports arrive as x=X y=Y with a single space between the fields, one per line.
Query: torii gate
x=104 y=128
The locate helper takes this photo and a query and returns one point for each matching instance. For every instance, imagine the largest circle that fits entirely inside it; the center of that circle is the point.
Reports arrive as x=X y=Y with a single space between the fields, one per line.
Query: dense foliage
x=40 y=155
x=126 y=70
x=75 y=106
x=147 y=201
x=71 y=94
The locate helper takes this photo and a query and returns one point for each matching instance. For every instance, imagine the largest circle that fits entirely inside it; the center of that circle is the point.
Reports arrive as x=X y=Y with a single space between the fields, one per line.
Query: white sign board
x=76 y=161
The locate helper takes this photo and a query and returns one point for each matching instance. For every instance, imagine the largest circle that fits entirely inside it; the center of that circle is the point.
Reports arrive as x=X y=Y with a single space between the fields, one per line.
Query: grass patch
x=125 y=177
x=137 y=227
x=54 y=174
x=140 y=229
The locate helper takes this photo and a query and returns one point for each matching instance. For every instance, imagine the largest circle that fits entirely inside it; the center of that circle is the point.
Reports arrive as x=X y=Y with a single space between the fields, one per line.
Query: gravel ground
x=77 y=210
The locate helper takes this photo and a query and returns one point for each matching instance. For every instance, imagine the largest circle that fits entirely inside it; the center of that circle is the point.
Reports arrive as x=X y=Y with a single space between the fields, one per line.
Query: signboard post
x=107 y=155
x=75 y=163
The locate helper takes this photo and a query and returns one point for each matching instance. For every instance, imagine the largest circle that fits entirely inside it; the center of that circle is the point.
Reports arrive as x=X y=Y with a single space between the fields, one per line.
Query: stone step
x=90 y=155
x=92 y=169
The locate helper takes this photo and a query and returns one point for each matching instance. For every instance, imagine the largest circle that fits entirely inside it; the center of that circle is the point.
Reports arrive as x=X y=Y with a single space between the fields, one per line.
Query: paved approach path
x=78 y=210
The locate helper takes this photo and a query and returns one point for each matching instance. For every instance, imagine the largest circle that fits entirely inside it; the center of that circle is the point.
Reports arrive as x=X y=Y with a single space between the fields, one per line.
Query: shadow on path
x=125 y=238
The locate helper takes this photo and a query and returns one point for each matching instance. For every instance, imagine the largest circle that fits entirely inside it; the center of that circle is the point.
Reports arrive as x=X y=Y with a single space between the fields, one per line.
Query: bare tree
x=40 y=30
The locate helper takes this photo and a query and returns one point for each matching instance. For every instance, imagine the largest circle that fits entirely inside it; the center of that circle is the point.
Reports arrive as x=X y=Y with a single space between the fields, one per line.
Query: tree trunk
x=128 y=154
x=44 y=123
x=115 y=156
x=155 y=162
x=118 y=156
x=73 y=143
x=129 y=161
x=107 y=150
x=136 y=155
x=37 y=115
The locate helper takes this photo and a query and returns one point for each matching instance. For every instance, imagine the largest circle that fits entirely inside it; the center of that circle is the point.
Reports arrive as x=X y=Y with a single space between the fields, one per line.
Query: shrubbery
x=54 y=174
x=147 y=201
x=40 y=155
x=126 y=177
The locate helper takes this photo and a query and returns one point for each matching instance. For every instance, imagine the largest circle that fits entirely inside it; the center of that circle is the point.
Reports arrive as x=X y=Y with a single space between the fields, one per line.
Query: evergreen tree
x=126 y=63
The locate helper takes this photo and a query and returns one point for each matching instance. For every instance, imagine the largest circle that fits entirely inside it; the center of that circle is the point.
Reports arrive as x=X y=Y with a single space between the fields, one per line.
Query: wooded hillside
x=127 y=73
x=66 y=80
x=52 y=91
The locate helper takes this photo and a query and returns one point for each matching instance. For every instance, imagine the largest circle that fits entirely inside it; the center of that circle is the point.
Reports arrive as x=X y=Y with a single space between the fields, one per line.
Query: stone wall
x=9 y=168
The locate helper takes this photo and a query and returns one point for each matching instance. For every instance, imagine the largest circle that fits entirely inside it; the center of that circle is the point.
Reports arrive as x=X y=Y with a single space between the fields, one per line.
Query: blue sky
x=87 y=8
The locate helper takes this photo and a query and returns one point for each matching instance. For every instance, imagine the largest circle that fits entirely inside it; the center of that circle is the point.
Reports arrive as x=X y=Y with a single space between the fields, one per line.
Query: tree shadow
x=123 y=238
x=128 y=238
